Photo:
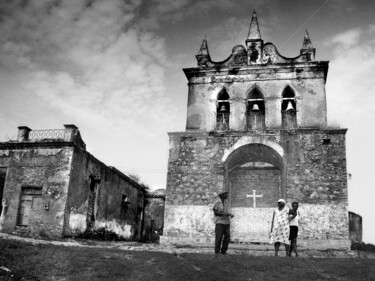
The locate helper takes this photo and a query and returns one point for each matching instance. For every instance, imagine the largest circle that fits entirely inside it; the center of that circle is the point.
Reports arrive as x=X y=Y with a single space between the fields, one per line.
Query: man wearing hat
x=222 y=223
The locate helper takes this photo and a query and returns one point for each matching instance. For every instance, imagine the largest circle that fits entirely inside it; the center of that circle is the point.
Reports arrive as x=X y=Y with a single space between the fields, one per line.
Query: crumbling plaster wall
x=355 y=227
x=315 y=176
x=309 y=88
x=109 y=211
x=47 y=168
x=153 y=221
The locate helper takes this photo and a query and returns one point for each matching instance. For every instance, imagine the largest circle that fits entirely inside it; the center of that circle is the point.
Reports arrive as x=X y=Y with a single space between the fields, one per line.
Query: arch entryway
x=255 y=179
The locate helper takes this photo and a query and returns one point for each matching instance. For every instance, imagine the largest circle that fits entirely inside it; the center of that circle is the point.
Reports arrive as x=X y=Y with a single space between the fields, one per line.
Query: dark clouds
x=85 y=57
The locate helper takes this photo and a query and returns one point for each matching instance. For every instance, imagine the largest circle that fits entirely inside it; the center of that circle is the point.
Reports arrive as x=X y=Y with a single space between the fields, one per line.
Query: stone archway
x=254 y=177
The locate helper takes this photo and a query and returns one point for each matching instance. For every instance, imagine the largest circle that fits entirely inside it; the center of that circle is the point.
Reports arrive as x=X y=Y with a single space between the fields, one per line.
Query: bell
x=289 y=107
x=222 y=108
x=255 y=107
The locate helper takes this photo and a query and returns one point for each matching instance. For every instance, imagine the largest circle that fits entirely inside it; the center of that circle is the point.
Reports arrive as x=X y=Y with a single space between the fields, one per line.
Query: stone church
x=257 y=127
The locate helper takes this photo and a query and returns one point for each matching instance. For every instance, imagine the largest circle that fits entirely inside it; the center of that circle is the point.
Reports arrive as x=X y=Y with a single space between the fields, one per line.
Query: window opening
x=3 y=172
x=288 y=109
x=222 y=111
x=255 y=111
x=124 y=206
x=90 y=217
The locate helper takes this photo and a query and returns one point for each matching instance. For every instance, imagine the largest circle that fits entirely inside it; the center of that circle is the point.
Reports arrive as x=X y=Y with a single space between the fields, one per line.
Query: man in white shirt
x=222 y=223
x=293 y=225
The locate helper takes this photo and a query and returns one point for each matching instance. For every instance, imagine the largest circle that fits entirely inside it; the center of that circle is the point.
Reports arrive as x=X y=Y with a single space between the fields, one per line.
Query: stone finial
x=203 y=56
x=307 y=42
x=23 y=133
x=307 y=48
x=203 y=51
x=254 y=33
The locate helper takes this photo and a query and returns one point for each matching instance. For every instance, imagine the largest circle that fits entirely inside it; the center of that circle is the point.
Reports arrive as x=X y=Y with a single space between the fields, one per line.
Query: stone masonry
x=52 y=187
x=257 y=127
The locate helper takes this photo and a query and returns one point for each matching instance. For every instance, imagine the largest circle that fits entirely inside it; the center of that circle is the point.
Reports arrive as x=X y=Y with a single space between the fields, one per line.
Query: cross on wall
x=254 y=196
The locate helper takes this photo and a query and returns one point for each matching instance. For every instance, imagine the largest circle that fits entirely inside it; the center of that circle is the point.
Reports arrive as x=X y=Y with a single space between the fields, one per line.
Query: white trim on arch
x=245 y=140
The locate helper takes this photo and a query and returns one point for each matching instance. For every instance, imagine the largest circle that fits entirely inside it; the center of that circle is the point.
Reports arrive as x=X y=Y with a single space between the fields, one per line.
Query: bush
x=360 y=246
x=100 y=234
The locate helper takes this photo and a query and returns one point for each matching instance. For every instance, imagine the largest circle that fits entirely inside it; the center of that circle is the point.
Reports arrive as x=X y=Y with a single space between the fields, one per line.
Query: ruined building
x=257 y=127
x=355 y=227
x=50 y=186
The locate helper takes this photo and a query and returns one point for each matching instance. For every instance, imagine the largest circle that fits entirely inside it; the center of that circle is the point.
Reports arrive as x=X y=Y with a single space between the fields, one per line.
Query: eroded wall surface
x=114 y=202
x=306 y=81
x=153 y=220
x=52 y=187
x=313 y=172
x=35 y=189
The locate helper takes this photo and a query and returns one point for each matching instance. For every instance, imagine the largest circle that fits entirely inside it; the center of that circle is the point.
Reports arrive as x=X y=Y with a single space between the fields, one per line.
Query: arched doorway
x=254 y=177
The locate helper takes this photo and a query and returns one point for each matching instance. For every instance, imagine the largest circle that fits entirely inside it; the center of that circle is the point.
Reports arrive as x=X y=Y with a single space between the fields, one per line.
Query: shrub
x=360 y=246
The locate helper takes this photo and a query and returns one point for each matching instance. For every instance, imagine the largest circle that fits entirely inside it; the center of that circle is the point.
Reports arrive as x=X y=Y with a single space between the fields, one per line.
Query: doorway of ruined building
x=254 y=177
x=3 y=172
x=92 y=202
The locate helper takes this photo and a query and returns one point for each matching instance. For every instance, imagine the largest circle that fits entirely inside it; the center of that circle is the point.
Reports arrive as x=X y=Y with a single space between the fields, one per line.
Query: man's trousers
x=222 y=235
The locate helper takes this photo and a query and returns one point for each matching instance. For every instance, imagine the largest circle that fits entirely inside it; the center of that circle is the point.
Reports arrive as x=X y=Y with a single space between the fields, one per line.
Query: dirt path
x=173 y=249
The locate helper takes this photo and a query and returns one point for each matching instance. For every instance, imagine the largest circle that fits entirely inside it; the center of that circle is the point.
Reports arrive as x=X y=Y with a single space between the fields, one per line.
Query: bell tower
x=257 y=127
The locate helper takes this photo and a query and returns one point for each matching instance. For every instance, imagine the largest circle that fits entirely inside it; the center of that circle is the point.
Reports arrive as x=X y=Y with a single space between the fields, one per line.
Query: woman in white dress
x=280 y=227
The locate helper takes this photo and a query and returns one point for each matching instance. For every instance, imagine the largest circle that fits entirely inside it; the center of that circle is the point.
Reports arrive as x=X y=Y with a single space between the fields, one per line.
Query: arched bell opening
x=288 y=109
x=222 y=111
x=255 y=113
x=255 y=179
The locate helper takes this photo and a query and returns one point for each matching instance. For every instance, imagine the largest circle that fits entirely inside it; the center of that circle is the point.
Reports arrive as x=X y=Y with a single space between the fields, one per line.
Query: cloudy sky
x=114 y=69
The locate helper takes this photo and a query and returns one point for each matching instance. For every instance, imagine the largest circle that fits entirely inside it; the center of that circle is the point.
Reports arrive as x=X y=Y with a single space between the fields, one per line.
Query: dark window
x=124 y=207
x=3 y=172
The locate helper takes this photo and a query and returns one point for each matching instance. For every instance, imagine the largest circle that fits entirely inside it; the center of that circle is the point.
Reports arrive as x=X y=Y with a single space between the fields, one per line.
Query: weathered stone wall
x=313 y=172
x=153 y=219
x=110 y=210
x=46 y=167
x=307 y=82
x=54 y=187
x=316 y=170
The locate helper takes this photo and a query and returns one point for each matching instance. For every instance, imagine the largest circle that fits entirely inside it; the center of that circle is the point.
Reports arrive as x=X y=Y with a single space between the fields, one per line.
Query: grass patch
x=50 y=262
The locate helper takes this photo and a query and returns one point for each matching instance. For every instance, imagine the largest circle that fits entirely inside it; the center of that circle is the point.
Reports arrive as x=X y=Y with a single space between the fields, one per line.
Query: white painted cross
x=254 y=197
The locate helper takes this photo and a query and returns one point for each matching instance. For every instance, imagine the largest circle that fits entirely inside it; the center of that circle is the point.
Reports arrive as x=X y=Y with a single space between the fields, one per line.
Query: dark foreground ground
x=27 y=261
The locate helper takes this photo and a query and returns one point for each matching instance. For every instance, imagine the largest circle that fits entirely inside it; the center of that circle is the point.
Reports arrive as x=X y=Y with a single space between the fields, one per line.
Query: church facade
x=257 y=127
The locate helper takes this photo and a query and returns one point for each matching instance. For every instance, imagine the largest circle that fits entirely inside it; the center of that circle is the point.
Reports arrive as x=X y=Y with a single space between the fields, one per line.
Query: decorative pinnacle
x=254 y=33
x=203 y=51
x=307 y=41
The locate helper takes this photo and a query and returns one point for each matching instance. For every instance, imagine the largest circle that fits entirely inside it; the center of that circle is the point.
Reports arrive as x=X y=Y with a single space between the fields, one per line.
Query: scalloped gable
x=255 y=52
